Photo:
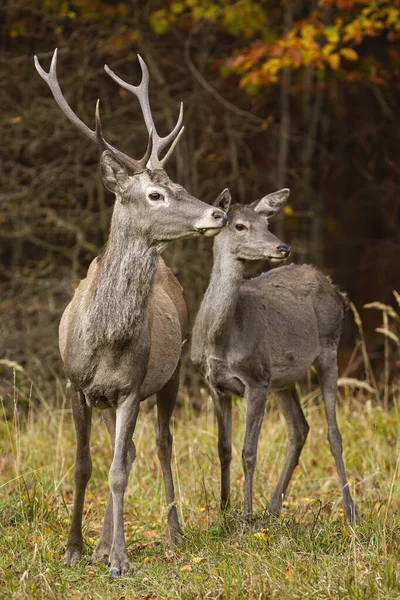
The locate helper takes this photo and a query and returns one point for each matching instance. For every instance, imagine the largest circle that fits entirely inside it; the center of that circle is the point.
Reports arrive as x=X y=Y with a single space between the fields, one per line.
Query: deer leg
x=101 y=553
x=223 y=411
x=256 y=401
x=82 y=415
x=298 y=429
x=326 y=365
x=126 y=416
x=166 y=399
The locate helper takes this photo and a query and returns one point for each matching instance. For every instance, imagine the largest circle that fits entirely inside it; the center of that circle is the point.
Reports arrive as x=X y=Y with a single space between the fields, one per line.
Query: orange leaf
x=295 y=55
x=276 y=50
x=149 y=534
x=288 y=573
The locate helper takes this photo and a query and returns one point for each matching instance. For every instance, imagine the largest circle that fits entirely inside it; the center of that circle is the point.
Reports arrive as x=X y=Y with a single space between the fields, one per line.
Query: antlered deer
x=121 y=335
x=254 y=335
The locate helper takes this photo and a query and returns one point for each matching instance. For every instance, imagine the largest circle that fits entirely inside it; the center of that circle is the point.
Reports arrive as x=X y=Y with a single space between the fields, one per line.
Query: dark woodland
x=301 y=94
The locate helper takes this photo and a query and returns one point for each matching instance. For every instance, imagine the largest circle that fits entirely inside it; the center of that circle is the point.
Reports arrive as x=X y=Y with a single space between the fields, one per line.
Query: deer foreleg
x=256 y=401
x=166 y=399
x=298 y=428
x=126 y=416
x=82 y=415
x=223 y=412
x=101 y=553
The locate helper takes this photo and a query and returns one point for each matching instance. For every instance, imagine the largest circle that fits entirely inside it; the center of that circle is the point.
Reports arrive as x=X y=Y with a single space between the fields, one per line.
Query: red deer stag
x=264 y=333
x=121 y=335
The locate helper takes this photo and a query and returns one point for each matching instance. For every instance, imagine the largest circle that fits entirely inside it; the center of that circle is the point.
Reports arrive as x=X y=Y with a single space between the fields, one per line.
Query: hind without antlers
x=252 y=336
x=121 y=335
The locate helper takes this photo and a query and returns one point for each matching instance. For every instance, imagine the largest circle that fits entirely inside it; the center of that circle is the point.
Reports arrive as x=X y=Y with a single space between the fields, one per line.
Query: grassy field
x=307 y=553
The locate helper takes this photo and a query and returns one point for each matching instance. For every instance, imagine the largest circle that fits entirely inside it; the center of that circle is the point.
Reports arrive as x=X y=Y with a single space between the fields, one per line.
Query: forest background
x=300 y=94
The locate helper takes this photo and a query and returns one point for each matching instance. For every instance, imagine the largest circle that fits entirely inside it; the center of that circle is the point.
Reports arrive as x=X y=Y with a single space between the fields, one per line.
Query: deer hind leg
x=223 y=412
x=166 y=399
x=298 y=428
x=255 y=410
x=101 y=553
x=82 y=415
x=326 y=365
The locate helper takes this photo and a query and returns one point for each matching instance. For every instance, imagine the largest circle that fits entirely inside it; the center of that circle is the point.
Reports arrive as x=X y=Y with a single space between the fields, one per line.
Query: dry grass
x=308 y=553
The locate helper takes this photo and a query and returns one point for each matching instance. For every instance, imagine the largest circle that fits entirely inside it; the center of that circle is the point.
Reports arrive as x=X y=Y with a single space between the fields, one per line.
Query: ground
x=308 y=553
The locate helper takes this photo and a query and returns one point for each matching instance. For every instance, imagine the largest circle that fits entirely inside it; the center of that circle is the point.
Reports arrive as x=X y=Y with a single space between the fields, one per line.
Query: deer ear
x=269 y=205
x=113 y=172
x=224 y=200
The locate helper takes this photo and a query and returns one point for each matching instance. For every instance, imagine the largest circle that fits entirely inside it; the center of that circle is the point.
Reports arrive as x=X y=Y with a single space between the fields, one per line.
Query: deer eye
x=155 y=196
x=240 y=227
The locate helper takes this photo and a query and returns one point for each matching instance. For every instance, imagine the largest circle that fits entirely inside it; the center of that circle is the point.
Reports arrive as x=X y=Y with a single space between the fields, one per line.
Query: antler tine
x=96 y=136
x=141 y=91
x=149 y=149
x=172 y=147
x=123 y=158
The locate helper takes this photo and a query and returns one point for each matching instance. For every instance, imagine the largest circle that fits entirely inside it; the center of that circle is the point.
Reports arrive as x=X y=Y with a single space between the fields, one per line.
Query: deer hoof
x=119 y=564
x=119 y=572
x=101 y=554
x=351 y=514
x=72 y=555
x=174 y=536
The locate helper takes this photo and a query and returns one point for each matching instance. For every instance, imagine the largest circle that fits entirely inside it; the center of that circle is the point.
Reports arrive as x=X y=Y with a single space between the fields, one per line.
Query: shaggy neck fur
x=119 y=295
x=219 y=303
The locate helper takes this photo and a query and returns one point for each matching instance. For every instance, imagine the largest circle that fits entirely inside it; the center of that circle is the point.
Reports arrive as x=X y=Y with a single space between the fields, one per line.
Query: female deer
x=251 y=336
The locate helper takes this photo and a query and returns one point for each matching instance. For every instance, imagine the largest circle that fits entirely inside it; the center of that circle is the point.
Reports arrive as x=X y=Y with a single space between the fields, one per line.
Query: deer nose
x=220 y=216
x=284 y=249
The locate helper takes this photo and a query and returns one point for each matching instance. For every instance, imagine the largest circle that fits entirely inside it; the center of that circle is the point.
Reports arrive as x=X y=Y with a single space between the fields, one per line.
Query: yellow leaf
x=177 y=7
x=159 y=21
x=332 y=34
x=186 y=568
x=349 y=53
x=261 y=535
x=288 y=211
x=199 y=559
x=267 y=123
x=334 y=61
x=328 y=49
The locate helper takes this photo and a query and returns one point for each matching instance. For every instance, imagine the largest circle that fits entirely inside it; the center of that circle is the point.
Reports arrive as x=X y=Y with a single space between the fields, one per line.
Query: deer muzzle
x=212 y=222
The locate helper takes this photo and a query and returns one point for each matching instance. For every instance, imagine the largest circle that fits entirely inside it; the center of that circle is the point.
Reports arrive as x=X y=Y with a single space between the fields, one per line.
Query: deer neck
x=220 y=300
x=121 y=289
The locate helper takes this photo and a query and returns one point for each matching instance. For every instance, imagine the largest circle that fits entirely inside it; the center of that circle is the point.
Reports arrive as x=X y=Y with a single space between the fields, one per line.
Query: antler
x=142 y=93
x=96 y=135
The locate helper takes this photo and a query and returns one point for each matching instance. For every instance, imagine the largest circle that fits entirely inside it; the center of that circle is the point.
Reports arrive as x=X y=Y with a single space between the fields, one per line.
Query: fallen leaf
x=149 y=534
x=261 y=535
x=288 y=574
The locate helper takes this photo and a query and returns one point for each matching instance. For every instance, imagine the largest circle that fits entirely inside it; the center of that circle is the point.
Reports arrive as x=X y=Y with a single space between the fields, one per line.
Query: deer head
x=247 y=237
x=146 y=199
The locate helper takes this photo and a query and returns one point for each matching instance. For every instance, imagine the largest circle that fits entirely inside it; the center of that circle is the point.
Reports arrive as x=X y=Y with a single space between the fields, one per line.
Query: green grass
x=307 y=553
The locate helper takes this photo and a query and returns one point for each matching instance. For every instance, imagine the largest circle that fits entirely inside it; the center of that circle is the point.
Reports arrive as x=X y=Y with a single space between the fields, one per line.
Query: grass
x=307 y=553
